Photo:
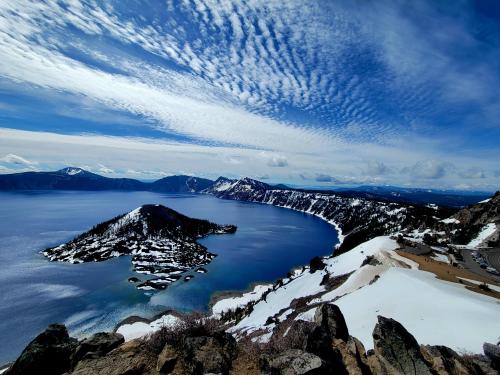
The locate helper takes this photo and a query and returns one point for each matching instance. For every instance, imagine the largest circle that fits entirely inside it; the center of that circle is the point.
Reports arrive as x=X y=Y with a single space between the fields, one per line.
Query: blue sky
x=304 y=92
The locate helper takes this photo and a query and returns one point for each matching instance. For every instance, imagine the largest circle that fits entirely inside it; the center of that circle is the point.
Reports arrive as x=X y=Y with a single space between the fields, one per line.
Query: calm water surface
x=95 y=296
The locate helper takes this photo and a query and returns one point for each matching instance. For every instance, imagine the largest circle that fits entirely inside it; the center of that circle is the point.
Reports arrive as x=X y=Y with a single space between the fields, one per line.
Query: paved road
x=471 y=265
x=493 y=257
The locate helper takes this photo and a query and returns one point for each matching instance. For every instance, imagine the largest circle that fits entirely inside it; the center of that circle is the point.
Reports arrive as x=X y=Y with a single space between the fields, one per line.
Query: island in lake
x=161 y=241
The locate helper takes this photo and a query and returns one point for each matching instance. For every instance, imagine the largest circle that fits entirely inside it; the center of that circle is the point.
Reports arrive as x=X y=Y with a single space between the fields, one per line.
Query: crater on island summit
x=161 y=241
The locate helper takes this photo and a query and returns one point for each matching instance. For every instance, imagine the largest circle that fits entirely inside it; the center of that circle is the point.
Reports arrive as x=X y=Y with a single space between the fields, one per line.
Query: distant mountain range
x=79 y=179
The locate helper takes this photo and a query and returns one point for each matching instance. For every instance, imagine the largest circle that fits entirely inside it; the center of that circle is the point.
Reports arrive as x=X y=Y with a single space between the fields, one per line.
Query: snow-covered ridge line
x=375 y=281
x=354 y=217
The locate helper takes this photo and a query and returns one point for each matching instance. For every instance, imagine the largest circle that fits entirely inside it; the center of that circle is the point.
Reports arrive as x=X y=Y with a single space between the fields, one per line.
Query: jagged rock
x=445 y=361
x=131 y=358
x=167 y=360
x=48 y=353
x=331 y=319
x=371 y=260
x=209 y=354
x=97 y=346
x=353 y=356
x=493 y=353
x=398 y=348
x=292 y=362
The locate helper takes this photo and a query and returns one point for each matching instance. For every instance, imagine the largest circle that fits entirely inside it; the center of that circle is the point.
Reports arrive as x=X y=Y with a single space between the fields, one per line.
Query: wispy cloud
x=379 y=91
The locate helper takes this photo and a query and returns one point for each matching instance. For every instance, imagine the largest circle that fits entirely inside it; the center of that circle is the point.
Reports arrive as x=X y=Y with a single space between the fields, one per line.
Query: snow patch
x=487 y=231
x=441 y=258
x=141 y=329
x=451 y=220
x=233 y=303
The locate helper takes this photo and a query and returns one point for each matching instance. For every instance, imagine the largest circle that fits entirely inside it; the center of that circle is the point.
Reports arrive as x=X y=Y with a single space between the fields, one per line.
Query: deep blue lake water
x=95 y=296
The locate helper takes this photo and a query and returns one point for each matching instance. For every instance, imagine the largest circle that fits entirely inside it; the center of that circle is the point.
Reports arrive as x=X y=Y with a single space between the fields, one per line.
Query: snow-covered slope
x=161 y=241
x=370 y=280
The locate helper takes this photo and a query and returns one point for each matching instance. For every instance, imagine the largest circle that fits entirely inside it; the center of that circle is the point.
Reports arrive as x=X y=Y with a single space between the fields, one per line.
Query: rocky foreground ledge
x=162 y=243
x=201 y=346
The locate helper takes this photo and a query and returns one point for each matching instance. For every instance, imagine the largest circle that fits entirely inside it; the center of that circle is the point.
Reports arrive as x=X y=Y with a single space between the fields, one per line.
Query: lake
x=95 y=296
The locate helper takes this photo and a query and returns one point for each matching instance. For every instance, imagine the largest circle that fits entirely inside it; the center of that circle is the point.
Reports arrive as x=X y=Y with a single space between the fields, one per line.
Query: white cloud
x=146 y=158
x=430 y=169
x=17 y=160
x=228 y=93
x=105 y=170
x=274 y=160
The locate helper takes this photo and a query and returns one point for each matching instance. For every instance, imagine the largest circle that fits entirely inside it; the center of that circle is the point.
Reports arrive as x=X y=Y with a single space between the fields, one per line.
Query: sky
x=311 y=93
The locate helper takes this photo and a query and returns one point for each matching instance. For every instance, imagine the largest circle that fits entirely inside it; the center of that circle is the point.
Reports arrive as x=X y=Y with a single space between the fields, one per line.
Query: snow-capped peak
x=71 y=171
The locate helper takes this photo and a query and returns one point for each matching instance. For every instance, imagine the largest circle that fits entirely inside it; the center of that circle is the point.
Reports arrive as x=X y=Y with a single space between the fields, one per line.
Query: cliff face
x=471 y=220
x=358 y=219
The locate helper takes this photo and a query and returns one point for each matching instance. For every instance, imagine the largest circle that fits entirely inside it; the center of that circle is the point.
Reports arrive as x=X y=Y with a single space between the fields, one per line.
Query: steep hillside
x=79 y=179
x=357 y=219
x=66 y=179
x=181 y=184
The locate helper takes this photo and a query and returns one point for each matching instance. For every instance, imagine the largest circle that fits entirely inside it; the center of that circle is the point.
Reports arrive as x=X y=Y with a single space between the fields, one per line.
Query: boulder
x=167 y=360
x=97 y=346
x=398 y=349
x=445 y=361
x=331 y=319
x=493 y=353
x=292 y=362
x=48 y=353
x=209 y=354
x=130 y=358
x=352 y=355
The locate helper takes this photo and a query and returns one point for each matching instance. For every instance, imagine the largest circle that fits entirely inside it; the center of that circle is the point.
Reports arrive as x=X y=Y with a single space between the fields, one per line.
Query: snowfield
x=434 y=311
x=140 y=329
x=232 y=303
x=487 y=231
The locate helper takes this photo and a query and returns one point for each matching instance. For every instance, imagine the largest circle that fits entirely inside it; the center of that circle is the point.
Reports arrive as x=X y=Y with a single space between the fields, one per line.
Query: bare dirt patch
x=448 y=272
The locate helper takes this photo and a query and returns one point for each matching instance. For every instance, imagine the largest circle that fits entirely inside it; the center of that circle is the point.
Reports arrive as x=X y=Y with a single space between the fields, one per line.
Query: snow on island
x=161 y=241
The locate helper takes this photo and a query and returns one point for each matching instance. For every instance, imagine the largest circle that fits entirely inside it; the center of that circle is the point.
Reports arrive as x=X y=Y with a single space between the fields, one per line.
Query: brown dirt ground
x=447 y=272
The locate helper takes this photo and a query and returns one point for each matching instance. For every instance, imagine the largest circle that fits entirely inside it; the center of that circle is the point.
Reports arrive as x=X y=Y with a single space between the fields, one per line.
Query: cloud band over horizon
x=327 y=93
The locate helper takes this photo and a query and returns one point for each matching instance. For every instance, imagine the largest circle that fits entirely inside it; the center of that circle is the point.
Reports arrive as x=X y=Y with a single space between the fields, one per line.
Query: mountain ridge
x=73 y=178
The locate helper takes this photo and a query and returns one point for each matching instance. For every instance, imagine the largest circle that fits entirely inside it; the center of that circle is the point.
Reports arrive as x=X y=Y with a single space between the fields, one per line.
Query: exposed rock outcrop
x=323 y=346
x=97 y=346
x=131 y=358
x=493 y=353
x=292 y=362
x=48 y=353
x=397 y=349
